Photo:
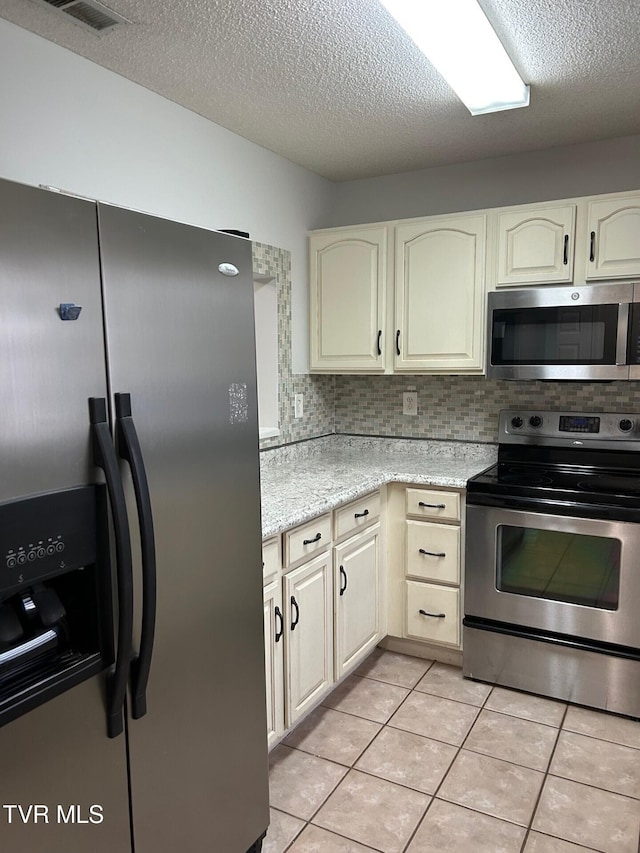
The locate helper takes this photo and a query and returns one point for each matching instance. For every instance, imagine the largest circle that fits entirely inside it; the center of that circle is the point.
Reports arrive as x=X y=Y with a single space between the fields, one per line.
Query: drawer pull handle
x=435 y=615
x=316 y=538
x=398 y=342
x=432 y=553
x=565 y=255
x=592 y=247
x=343 y=574
x=379 y=348
x=294 y=603
x=432 y=506
x=361 y=514
x=279 y=631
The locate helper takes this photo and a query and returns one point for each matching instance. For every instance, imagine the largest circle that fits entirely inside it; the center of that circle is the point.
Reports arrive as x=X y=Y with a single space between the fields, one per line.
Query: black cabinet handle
x=279 y=632
x=432 y=506
x=294 y=603
x=343 y=576
x=104 y=457
x=316 y=538
x=435 y=615
x=565 y=257
x=361 y=514
x=129 y=449
x=432 y=553
x=379 y=348
x=592 y=247
x=398 y=342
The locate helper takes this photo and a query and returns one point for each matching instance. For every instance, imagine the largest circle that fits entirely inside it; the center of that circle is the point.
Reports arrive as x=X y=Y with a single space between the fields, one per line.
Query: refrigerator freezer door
x=59 y=753
x=180 y=341
x=59 y=756
x=49 y=367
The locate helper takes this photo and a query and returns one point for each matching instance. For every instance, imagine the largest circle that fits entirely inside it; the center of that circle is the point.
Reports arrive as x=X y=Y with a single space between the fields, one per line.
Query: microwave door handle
x=623 y=334
x=129 y=449
x=104 y=457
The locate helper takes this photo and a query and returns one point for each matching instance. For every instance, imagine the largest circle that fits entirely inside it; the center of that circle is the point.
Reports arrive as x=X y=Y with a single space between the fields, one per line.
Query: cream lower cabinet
x=274 y=660
x=357 y=596
x=308 y=615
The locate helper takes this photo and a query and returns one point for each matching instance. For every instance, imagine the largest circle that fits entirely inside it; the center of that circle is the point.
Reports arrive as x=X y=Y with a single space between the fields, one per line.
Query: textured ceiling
x=337 y=87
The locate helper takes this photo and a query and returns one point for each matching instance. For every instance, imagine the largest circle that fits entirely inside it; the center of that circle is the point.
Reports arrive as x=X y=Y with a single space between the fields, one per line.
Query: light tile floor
x=406 y=755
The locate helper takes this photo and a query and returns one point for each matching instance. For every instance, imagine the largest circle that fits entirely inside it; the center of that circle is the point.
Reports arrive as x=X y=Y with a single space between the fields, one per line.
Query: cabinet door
x=357 y=598
x=440 y=295
x=347 y=300
x=536 y=246
x=274 y=660
x=614 y=238
x=308 y=608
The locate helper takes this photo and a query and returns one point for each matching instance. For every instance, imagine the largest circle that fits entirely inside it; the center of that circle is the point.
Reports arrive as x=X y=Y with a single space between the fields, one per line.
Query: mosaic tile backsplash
x=318 y=390
x=463 y=407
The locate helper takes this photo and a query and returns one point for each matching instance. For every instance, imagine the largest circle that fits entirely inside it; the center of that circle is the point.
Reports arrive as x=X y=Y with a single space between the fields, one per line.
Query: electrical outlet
x=410 y=403
x=298 y=405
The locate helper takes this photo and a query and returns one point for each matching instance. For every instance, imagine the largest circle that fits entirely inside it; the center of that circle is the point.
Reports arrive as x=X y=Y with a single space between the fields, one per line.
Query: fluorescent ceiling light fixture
x=461 y=44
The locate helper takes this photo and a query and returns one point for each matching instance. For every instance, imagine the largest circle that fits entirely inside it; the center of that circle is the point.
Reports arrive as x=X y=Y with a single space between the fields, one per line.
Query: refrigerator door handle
x=130 y=450
x=104 y=456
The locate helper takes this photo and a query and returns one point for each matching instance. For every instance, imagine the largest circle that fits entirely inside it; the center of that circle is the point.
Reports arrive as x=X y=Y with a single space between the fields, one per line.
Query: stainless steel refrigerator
x=132 y=697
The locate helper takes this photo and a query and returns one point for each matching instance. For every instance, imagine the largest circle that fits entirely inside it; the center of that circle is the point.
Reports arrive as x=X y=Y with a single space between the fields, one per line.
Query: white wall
x=564 y=172
x=68 y=123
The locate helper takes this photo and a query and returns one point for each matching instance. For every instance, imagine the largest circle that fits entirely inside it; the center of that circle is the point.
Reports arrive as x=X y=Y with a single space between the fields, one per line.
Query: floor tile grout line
x=544 y=782
x=483 y=706
x=444 y=776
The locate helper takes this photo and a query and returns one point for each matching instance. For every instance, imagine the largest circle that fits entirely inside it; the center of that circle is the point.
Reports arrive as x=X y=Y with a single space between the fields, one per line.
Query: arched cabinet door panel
x=440 y=295
x=347 y=274
x=614 y=238
x=536 y=246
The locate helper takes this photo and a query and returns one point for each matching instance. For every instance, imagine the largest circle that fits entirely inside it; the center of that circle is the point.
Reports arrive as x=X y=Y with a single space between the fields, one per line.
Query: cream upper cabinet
x=614 y=238
x=439 y=280
x=347 y=300
x=536 y=245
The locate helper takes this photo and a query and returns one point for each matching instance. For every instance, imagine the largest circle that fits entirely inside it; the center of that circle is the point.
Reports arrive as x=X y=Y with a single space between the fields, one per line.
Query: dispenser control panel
x=47 y=535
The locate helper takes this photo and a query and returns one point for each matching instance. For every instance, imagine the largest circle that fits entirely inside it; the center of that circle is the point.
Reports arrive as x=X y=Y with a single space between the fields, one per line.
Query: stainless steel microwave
x=583 y=333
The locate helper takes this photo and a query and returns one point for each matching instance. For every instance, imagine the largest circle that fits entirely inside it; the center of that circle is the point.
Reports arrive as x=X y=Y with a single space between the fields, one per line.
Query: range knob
x=516 y=422
x=625 y=425
x=535 y=421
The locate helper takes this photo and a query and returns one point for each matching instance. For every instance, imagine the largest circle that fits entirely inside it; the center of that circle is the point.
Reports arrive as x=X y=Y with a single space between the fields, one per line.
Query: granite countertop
x=300 y=482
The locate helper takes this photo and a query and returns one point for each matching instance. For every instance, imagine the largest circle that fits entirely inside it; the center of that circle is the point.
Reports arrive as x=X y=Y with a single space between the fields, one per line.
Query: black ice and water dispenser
x=55 y=596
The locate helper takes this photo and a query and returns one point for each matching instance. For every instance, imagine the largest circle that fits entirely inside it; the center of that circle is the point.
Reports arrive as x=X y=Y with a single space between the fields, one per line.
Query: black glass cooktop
x=559 y=483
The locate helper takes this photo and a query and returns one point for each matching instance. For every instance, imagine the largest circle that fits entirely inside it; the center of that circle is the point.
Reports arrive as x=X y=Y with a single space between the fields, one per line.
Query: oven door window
x=585 y=334
x=567 y=567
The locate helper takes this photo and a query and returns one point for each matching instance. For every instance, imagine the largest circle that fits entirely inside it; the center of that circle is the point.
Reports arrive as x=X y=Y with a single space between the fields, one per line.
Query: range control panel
x=47 y=535
x=519 y=426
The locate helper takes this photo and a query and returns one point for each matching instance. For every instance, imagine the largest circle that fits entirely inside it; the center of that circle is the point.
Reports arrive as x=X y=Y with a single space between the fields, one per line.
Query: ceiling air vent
x=88 y=13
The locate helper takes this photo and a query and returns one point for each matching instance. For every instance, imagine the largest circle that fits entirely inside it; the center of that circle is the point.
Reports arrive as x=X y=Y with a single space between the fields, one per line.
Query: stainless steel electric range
x=552 y=571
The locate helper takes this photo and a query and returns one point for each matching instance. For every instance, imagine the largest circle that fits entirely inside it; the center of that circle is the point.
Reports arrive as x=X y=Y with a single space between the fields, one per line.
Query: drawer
x=436 y=600
x=356 y=515
x=307 y=540
x=430 y=503
x=270 y=558
x=441 y=542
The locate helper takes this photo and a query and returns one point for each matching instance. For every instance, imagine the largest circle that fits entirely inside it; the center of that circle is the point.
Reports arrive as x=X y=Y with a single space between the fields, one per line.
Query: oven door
x=576 y=577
